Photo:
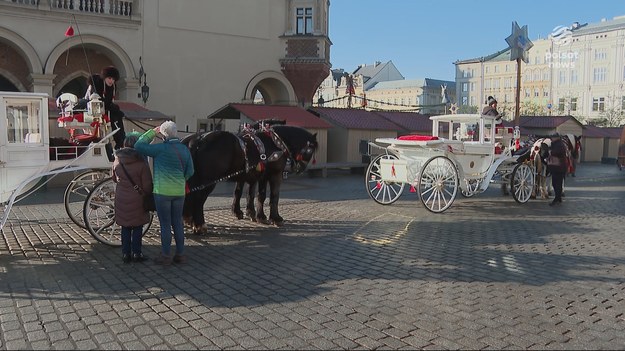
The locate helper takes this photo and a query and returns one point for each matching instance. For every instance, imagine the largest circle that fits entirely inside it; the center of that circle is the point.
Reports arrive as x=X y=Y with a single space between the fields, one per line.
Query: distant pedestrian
x=173 y=166
x=556 y=164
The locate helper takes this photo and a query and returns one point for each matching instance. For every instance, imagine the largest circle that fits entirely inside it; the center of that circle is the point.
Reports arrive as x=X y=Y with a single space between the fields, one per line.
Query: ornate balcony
x=118 y=8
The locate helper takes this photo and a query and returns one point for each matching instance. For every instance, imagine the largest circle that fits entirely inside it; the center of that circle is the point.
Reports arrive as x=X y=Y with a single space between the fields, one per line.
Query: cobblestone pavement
x=342 y=273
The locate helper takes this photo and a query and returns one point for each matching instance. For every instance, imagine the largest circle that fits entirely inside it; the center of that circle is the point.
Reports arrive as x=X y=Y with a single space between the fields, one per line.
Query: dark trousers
x=117 y=121
x=557 y=179
x=131 y=240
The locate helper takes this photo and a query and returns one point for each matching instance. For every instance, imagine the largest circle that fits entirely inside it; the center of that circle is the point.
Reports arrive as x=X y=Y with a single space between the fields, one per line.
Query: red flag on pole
x=69 y=32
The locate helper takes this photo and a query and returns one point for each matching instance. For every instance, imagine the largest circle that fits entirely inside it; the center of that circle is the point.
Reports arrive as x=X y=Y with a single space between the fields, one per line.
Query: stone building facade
x=194 y=57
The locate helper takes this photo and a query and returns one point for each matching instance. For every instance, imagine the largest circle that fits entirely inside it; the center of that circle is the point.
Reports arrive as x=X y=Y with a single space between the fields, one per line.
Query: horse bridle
x=297 y=160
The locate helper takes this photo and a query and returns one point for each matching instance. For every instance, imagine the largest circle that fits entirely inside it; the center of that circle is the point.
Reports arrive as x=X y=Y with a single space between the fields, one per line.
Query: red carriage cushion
x=417 y=137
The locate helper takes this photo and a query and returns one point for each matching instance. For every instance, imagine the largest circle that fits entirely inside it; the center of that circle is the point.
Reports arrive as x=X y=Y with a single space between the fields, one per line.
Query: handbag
x=149 y=205
x=553 y=161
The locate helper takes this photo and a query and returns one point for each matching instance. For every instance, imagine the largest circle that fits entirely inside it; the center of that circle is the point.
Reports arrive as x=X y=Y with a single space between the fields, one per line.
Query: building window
x=562 y=78
x=496 y=69
x=573 y=77
x=600 y=54
x=546 y=75
x=304 y=20
x=473 y=100
x=465 y=87
x=599 y=74
x=527 y=93
x=472 y=86
x=574 y=104
x=623 y=103
x=561 y=104
x=598 y=104
x=465 y=100
x=536 y=92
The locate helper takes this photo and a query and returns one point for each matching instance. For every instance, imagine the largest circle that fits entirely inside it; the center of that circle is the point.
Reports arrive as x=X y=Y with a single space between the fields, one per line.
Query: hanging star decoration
x=519 y=43
x=453 y=108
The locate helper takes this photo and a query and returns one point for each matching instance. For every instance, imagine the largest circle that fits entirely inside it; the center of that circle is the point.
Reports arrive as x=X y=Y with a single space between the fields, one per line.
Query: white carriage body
x=465 y=151
x=469 y=139
x=25 y=148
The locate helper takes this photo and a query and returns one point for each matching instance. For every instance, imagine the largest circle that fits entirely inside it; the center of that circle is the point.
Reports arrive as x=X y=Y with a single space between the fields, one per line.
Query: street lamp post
x=145 y=89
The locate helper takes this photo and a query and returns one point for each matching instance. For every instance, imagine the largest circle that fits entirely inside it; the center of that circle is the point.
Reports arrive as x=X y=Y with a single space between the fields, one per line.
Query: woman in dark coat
x=556 y=164
x=129 y=212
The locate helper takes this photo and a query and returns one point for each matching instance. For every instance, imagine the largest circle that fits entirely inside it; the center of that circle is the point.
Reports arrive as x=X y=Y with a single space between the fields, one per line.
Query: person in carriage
x=105 y=85
x=491 y=109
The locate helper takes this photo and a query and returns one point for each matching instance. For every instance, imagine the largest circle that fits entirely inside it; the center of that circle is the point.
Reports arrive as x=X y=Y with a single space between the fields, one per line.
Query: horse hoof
x=239 y=215
x=278 y=223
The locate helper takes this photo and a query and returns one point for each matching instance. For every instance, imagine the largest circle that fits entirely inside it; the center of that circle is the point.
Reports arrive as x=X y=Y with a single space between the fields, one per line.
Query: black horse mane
x=269 y=122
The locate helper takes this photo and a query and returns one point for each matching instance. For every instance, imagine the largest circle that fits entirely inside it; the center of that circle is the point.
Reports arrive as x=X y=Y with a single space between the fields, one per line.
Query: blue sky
x=424 y=37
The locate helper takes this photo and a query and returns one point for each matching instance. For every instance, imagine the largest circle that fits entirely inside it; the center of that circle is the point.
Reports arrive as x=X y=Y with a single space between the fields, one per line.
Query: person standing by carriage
x=491 y=109
x=130 y=168
x=173 y=166
x=557 y=166
x=105 y=85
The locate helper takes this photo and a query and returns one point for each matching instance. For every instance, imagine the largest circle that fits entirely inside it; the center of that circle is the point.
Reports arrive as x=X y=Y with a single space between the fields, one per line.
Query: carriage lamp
x=95 y=106
x=145 y=92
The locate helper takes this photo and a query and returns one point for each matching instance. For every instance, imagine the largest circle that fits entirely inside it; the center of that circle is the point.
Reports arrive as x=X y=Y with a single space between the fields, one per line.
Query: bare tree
x=612 y=116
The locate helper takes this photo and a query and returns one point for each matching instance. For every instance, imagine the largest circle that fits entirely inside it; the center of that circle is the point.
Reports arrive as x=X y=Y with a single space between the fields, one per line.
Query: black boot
x=138 y=257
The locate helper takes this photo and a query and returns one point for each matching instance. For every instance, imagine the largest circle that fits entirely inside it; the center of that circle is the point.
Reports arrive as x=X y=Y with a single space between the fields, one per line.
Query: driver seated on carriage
x=105 y=85
x=85 y=113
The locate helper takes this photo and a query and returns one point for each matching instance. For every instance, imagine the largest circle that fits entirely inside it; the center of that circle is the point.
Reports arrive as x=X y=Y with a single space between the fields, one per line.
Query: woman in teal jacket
x=173 y=166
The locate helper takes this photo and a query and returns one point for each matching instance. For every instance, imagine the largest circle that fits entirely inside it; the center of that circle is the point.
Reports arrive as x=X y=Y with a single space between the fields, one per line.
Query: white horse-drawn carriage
x=465 y=153
x=27 y=161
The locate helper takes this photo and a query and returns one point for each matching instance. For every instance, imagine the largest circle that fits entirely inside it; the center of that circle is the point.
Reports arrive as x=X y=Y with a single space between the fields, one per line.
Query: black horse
x=261 y=160
x=290 y=149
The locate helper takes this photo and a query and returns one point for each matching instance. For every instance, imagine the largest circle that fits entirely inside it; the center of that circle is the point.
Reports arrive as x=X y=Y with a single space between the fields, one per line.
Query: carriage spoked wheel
x=77 y=191
x=99 y=214
x=471 y=187
x=382 y=192
x=522 y=182
x=438 y=184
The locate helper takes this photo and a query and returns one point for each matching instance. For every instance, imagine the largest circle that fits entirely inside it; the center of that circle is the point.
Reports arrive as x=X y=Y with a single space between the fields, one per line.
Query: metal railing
x=121 y=8
x=108 y=7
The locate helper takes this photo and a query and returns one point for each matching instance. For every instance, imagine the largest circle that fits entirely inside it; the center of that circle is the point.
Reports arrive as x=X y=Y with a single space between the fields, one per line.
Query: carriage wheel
x=77 y=191
x=99 y=214
x=438 y=184
x=522 y=183
x=380 y=191
x=472 y=186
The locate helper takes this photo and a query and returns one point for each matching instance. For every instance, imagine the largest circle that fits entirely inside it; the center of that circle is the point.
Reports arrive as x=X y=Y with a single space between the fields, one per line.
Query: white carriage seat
x=69 y=118
x=66 y=103
x=33 y=138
